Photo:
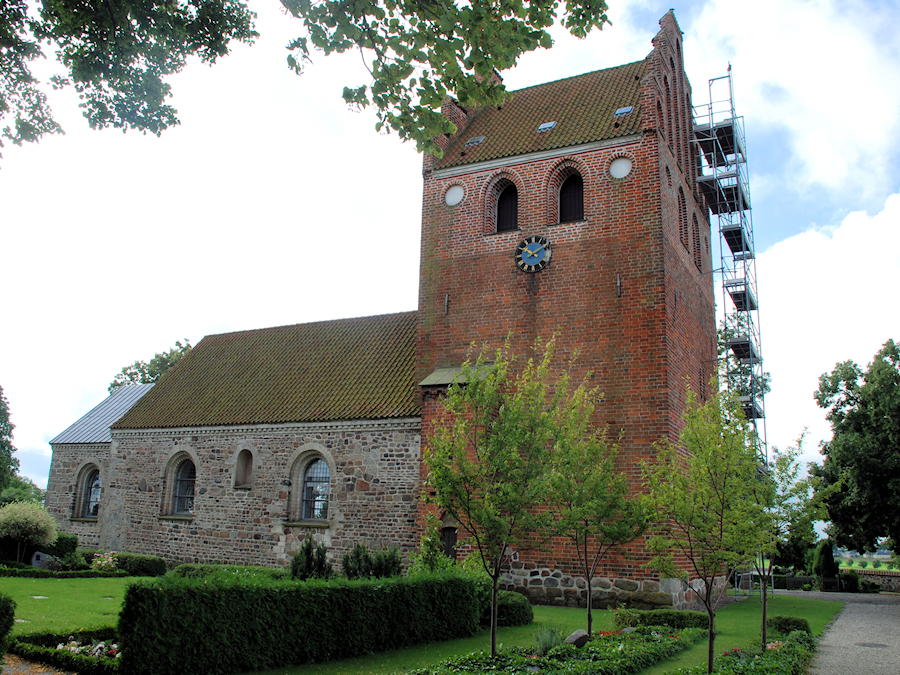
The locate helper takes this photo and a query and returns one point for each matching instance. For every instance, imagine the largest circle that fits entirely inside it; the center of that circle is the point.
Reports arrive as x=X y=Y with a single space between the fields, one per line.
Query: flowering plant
x=97 y=648
x=777 y=644
x=105 y=562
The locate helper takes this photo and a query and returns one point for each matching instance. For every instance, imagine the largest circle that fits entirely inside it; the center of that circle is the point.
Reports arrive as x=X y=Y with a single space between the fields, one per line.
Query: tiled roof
x=583 y=107
x=349 y=369
x=94 y=426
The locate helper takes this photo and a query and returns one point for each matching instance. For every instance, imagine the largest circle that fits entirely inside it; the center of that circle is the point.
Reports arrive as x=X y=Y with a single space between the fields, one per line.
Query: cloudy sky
x=263 y=207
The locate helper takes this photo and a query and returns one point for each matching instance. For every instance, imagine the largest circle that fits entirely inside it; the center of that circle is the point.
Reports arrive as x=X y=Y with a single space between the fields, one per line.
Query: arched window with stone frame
x=243 y=469
x=184 y=487
x=90 y=489
x=310 y=481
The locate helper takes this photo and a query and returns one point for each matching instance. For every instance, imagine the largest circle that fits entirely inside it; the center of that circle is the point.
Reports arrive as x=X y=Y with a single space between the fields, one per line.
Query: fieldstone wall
x=549 y=586
x=63 y=493
x=889 y=580
x=373 y=493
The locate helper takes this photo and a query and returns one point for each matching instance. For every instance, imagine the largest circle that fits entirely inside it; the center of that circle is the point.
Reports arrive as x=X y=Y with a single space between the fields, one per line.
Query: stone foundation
x=547 y=586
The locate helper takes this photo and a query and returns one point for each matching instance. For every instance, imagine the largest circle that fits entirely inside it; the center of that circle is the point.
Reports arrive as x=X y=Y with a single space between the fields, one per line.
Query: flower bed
x=790 y=656
x=606 y=654
x=88 y=652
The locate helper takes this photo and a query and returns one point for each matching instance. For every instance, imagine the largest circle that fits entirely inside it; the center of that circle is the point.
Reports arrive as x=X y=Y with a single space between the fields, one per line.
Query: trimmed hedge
x=674 y=618
x=182 y=626
x=788 y=624
x=201 y=571
x=64 y=545
x=7 y=620
x=41 y=648
x=134 y=564
x=513 y=609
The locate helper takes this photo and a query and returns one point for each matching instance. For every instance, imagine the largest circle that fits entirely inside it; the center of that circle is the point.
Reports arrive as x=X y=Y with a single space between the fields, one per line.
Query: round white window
x=454 y=195
x=620 y=167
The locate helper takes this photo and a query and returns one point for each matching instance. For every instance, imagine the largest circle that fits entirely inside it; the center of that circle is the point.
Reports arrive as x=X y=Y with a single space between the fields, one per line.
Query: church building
x=572 y=209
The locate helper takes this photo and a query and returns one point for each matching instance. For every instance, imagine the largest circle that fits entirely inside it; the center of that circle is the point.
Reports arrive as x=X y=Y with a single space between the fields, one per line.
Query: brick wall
x=626 y=288
x=373 y=491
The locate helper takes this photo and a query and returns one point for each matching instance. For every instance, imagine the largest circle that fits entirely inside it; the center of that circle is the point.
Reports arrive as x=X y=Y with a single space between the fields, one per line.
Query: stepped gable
x=349 y=369
x=583 y=107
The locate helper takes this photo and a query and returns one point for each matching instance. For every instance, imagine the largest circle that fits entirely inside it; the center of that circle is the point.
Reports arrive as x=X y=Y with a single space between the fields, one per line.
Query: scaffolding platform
x=737 y=238
x=752 y=407
x=741 y=295
x=743 y=348
x=724 y=192
x=720 y=145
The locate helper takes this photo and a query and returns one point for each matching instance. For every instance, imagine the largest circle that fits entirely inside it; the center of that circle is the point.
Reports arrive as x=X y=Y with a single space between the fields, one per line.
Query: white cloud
x=825 y=298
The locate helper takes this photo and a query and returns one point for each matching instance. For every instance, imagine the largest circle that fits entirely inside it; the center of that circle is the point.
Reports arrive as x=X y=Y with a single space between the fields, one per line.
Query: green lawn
x=61 y=605
x=738 y=625
x=81 y=604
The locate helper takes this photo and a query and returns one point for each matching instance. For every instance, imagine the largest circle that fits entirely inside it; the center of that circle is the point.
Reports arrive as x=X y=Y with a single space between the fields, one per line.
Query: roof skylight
x=546 y=126
x=474 y=141
x=621 y=112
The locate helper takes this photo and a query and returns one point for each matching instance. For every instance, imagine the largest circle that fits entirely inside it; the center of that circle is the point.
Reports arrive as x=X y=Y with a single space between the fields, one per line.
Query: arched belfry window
x=91 y=489
x=682 y=219
x=508 y=209
x=316 y=481
x=695 y=240
x=571 y=199
x=183 y=492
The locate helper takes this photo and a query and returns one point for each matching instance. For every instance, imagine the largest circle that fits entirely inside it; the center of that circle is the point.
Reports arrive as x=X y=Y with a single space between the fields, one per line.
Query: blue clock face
x=533 y=254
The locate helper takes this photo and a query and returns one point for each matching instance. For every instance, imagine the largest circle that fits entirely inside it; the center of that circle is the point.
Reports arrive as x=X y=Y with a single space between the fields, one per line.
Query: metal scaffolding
x=724 y=182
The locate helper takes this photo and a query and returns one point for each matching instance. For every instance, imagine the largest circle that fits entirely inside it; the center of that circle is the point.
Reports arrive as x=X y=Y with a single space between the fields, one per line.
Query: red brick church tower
x=574 y=209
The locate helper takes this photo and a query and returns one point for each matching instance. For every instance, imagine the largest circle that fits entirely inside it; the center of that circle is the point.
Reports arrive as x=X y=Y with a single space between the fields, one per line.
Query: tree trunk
x=589 y=603
x=765 y=607
x=712 y=640
x=495 y=594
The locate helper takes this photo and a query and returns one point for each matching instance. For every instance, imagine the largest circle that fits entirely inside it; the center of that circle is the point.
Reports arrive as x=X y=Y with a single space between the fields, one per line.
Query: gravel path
x=863 y=639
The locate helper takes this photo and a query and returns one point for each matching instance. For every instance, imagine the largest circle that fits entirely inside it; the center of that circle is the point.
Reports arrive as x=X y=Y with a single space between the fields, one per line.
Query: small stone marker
x=579 y=638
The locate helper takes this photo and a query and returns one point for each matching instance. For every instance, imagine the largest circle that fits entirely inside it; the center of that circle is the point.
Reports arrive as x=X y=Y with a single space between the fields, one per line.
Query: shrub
x=360 y=563
x=7 y=620
x=863 y=564
x=67 y=563
x=28 y=524
x=788 y=624
x=547 y=638
x=807 y=587
x=64 y=545
x=138 y=565
x=674 y=618
x=105 y=562
x=513 y=609
x=217 y=625
x=850 y=581
x=311 y=562
x=866 y=586
x=430 y=556
x=823 y=562
x=876 y=564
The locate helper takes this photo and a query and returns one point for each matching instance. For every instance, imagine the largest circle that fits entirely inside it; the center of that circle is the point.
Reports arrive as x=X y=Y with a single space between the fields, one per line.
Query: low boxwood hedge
x=37 y=573
x=7 y=620
x=788 y=624
x=230 y=625
x=674 y=618
x=513 y=609
x=134 y=564
x=41 y=648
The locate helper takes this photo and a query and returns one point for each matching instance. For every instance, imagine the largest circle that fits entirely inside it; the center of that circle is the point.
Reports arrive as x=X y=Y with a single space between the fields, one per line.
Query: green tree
x=863 y=455
x=489 y=454
x=22 y=489
x=27 y=524
x=702 y=494
x=141 y=372
x=119 y=55
x=588 y=496
x=8 y=463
